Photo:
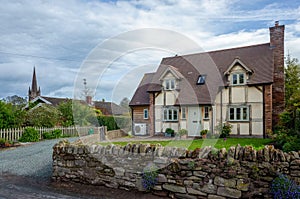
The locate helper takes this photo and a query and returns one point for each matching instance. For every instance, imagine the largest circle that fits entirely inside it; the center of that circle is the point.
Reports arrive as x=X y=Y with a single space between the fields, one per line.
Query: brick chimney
x=88 y=100
x=277 y=44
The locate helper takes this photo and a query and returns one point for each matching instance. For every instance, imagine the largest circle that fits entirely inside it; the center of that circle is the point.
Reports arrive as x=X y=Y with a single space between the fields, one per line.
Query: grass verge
x=257 y=143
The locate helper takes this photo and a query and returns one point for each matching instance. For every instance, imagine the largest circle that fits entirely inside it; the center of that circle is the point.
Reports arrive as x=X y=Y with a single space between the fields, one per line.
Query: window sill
x=239 y=121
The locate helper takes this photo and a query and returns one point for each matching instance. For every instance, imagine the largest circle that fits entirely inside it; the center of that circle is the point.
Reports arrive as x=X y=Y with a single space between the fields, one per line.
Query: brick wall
x=240 y=172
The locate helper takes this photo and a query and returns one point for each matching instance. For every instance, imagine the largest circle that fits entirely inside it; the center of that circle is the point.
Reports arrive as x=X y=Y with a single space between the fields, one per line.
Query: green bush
x=170 y=132
x=224 y=130
x=115 y=122
x=2 y=141
x=182 y=132
x=30 y=135
x=57 y=133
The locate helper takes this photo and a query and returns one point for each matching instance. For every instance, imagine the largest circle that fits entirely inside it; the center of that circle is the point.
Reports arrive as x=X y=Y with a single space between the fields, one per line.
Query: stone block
x=242 y=184
x=119 y=171
x=210 y=196
x=184 y=196
x=195 y=192
x=224 y=182
x=209 y=188
x=162 y=178
x=229 y=192
x=201 y=174
x=174 y=188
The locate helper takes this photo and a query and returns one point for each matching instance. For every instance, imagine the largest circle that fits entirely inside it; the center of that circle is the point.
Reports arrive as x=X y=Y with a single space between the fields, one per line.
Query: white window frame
x=183 y=113
x=146 y=114
x=237 y=113
x=206 y=112
x=170 y=84
x=170 y=114
x=238 y=79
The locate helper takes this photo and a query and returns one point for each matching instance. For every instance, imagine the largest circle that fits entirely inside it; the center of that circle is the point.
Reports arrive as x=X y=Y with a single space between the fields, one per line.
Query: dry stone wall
x=240 y=172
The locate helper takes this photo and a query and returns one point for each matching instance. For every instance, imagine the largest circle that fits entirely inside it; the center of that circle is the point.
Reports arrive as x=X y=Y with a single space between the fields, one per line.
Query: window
x=170 y=114
x=183 y=113
x=239 y=113
x=238 y=79
x=146 y=114
x=206 y=112
x=170 y=84
x=201 y=79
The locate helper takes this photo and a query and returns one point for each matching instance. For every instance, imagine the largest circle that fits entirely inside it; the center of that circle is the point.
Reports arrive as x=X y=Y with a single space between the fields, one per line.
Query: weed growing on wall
x=285 y=188
x=149 y=177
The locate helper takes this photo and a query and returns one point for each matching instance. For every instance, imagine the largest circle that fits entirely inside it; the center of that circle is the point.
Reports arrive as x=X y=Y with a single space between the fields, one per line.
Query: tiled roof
x=110 y=108
x=56 y=101
x=141 y=95
x=258 y=58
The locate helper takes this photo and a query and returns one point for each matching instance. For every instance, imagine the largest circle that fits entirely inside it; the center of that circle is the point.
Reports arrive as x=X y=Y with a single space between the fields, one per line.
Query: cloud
x=57 y=36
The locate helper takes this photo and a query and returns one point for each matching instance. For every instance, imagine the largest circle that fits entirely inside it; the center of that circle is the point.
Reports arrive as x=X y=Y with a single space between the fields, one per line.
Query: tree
x=292 y=82
x=11 y=116
x=16 y=100
x=66 y=113
x=287 y=133
x=84 y=114
x=42 y=116
x=125 y=102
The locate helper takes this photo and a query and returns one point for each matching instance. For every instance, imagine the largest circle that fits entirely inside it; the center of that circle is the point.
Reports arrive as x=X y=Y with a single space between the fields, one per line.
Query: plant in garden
x=57 y=133
x=30 y=135
x=182 y=132
x=149 y=177
x=224 y=129
x=169 y=132
x=285 y=188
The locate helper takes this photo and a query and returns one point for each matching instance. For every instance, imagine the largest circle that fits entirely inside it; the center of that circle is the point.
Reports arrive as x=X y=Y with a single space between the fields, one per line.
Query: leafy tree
x=83 y=114
x=11 y=116
x=287 y=134
x=42 y=116
x=292 y=83
x=66 y=113
x=16 y=100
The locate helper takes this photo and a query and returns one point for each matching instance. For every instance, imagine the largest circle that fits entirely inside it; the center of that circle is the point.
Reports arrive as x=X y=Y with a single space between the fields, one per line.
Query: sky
x=61 y=39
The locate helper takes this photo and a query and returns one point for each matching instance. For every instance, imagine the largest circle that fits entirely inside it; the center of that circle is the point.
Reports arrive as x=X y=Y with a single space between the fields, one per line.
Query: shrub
x=224 y=130
x=182 y=132
x=2 y=141
x=30 y=135
x=170 y=131
x=204 y=132
x=57 y=133
x=114 y=123
x=283 y=187
x=149 y=177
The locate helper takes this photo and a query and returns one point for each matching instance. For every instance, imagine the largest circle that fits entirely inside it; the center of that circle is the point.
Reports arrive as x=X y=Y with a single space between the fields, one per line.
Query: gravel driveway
x=34 y=160
x=25 y=172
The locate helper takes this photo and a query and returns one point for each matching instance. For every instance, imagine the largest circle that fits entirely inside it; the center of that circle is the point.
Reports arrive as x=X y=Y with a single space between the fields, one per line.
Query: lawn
x=257 y=143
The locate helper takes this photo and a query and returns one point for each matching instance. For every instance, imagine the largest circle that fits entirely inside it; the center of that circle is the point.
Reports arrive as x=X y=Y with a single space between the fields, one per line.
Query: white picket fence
x=16 y=133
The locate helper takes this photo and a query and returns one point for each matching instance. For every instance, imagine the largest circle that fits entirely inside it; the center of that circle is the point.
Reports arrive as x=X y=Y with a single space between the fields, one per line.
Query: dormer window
x=170 y=84
x=201 y=79
x=238 y=79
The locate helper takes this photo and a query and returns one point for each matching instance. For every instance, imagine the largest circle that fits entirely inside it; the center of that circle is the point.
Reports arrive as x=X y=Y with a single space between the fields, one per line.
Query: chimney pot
x=276 y=23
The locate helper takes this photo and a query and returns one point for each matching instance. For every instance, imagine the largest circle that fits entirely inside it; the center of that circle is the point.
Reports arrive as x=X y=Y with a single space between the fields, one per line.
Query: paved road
x=25 y=172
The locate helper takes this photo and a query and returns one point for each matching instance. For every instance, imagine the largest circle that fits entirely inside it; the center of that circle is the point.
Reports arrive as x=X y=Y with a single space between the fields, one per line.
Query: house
x=35 y=98
x=241 y=86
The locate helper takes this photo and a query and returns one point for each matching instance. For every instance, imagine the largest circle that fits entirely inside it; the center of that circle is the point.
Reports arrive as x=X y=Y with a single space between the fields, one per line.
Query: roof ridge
x=220 y=50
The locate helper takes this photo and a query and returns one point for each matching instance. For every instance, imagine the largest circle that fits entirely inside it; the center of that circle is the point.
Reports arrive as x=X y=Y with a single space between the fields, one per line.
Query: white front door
x=194 y=121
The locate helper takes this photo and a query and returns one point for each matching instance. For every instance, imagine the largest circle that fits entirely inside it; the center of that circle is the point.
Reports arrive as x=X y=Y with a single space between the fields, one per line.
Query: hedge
x=115 y=122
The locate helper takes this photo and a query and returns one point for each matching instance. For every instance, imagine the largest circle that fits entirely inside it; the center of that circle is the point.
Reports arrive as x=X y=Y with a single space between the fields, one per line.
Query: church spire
x=34 y=91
